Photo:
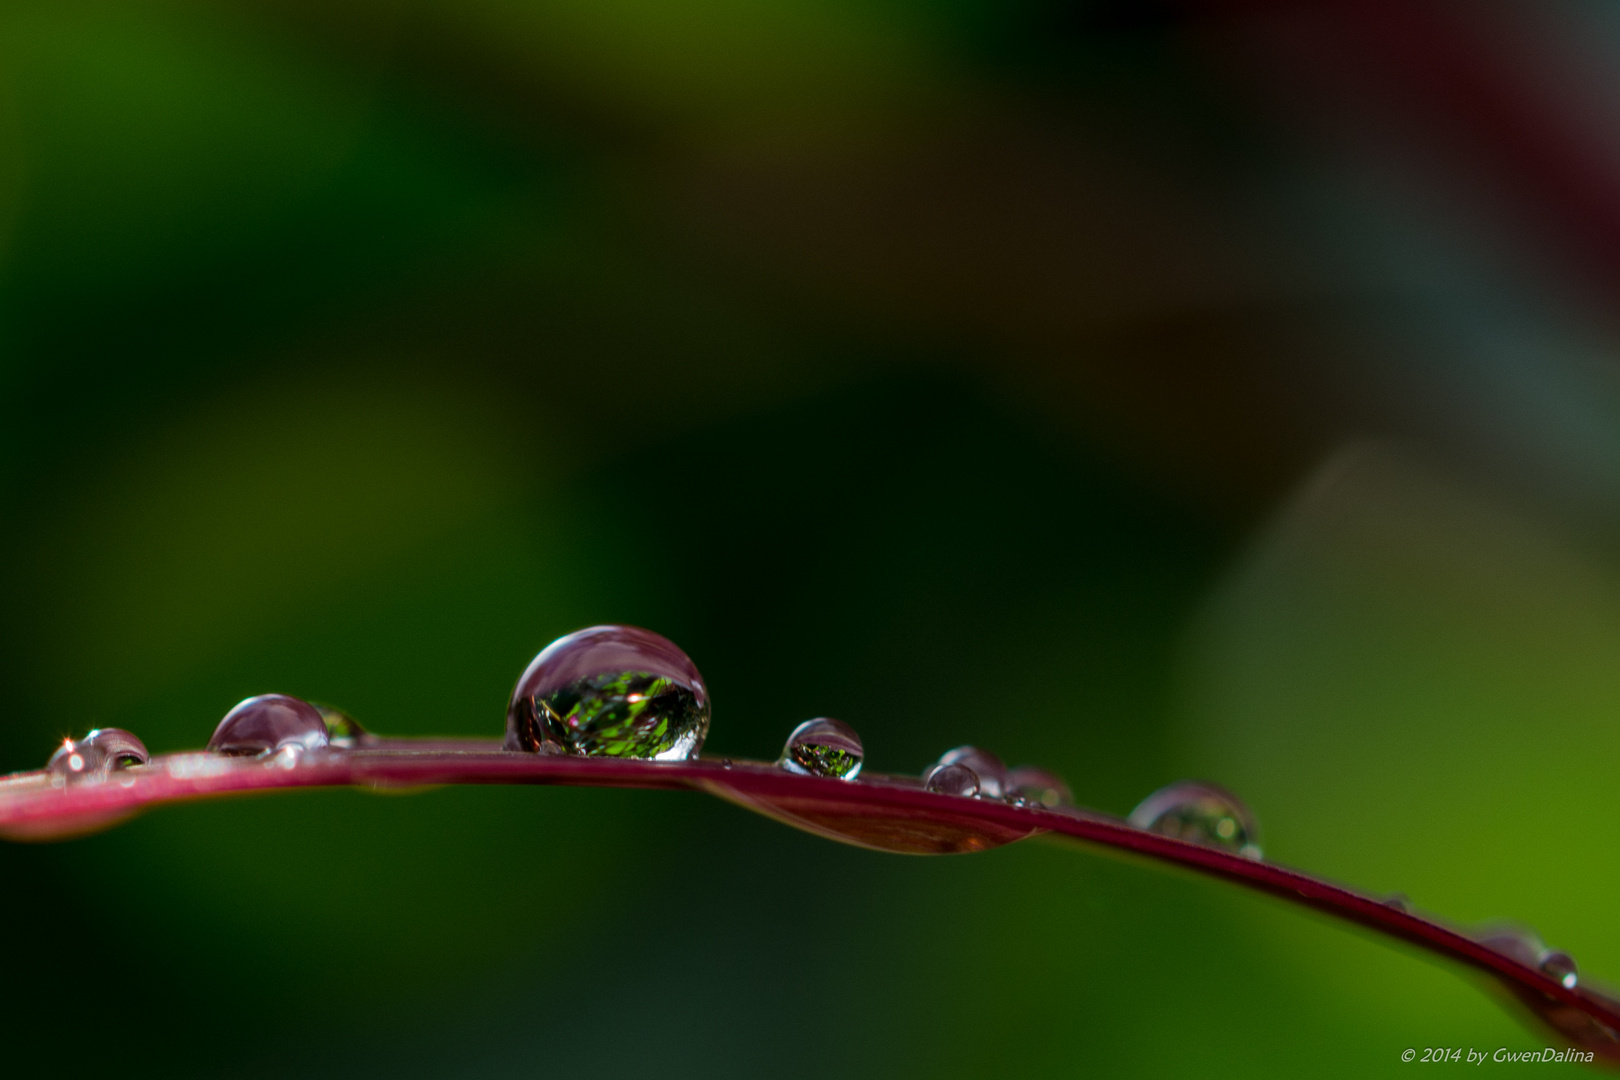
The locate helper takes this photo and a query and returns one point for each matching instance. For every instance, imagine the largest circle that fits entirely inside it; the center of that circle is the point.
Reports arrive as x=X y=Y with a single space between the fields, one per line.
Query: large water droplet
x=1202 y=813
x=991 y=773
x=953 y=779
x=610 y=691
x=1028 y=785
x=823 y=747
x=1559 y=965
x=269 y=723
x=342 y=730
x=93 y=757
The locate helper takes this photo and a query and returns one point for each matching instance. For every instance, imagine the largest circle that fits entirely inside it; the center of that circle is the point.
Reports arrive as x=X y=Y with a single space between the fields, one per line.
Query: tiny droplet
x=953 y=779
x=1399 y=902
x=1037 y=787
x=268 y=723
x=991 y=773
x=1202 y=813
x=342 y=730
x=1513 y=940
x=1559 y=965
x=823 y=747
x=610 y=691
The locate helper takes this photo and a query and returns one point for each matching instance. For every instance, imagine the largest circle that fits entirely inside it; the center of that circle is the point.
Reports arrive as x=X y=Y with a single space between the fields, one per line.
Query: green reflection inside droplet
x=624 y=714
x=824 y=760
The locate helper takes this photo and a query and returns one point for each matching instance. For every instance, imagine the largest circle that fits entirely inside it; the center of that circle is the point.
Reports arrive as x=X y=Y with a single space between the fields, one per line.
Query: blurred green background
x=1141 y=390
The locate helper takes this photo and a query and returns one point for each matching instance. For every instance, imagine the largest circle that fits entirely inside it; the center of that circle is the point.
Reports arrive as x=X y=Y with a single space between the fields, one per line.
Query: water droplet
x=991 y=773
x=953 y=779
x=122 y=748
x=1559 y=965
x=1202 y=813
x=725 y=763
x=268 y=723
x=610 y=691
x=92 y=758
x=75 y=764
x=1512 y=940
x=1037 y=787
x=823 y=747
x=1399 y=902
x=342 y=730
x=1522 y=944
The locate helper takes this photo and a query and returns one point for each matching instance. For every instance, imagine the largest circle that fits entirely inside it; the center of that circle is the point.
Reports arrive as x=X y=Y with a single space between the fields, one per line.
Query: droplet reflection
x=1521 y=943
x=1513 y=940
x=610 y=691
x=823 y=747
x=92 y=758
x=1559 y=965
x=342 y=730
x=953 y=780
x=269 y=723
x=1027 y=785
x=75 y=764
x=1202 y=813
x=991 y=773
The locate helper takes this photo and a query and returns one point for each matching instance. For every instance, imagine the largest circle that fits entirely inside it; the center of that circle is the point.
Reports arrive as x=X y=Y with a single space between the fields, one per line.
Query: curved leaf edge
x=887 y=813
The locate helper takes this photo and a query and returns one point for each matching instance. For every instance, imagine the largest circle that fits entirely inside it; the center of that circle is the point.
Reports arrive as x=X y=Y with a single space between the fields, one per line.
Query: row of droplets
x=1189 y=810
x=621 y=691
x=275 y=726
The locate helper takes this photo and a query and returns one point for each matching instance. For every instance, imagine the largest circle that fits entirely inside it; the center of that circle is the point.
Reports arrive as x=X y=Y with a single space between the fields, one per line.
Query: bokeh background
x=1139 y=389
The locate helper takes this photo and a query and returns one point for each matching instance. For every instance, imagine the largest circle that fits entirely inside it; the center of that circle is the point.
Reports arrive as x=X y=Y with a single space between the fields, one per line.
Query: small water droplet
x=1399 y=901
x=1037 y=787
x=1557 y=964
x=342 y=730
x=953 y=779
x=92 y=758
x=1202 y=813
x=1513 y=940
x=725 y=763
x=610 y=691
x=991 y=773
x=75 y=764
x=1520 y=943
x=122 y=748
x=268 y=723
x=823 y=747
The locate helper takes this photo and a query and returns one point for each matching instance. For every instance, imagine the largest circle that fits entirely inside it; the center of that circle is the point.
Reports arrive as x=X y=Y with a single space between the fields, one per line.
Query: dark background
x=1142 y=390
